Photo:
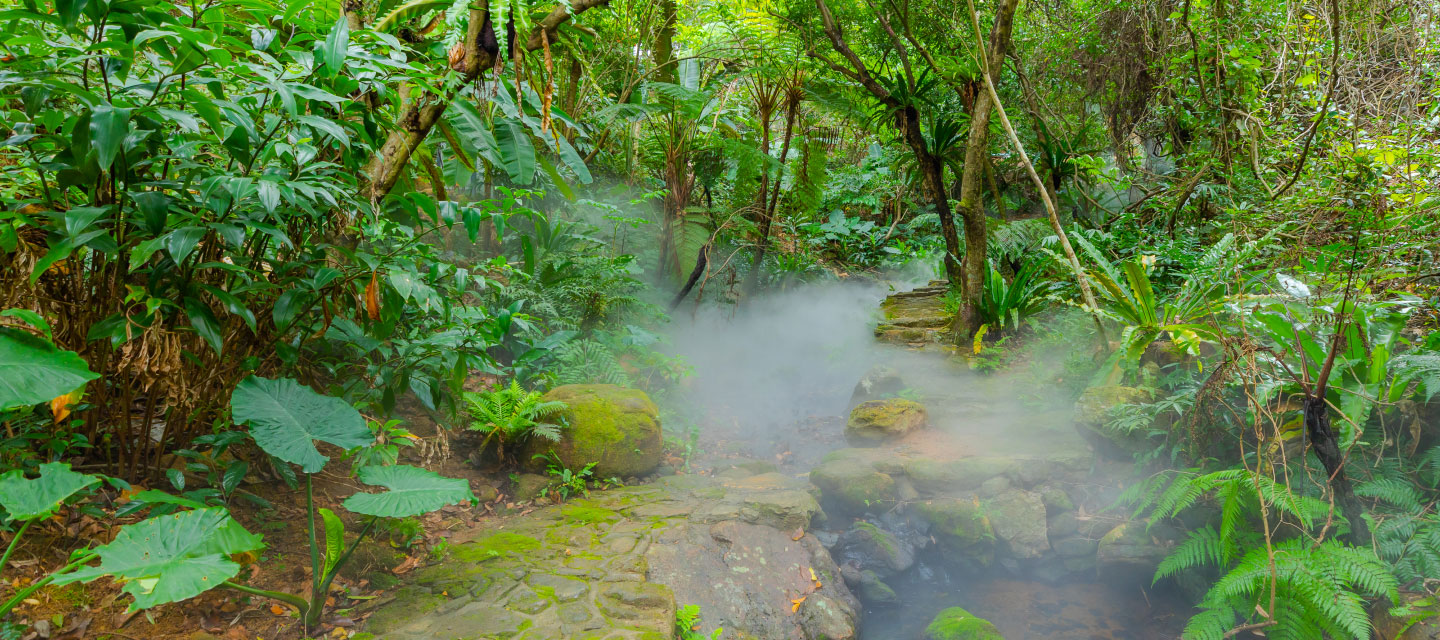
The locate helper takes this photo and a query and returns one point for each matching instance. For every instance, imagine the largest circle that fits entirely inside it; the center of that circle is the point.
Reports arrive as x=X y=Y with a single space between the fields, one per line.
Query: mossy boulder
x=616 y=428
x=853 y=486
x=1131 y=551
x=879 y=382
x=1092 y=412
x=960 y=527
x=1018 y=518
x=958 y=624
x=948 y=476
x=876 y=421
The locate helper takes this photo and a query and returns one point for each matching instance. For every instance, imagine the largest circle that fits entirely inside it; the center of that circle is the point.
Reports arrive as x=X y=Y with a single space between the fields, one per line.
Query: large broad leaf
x=171 y=558
x=516 y=150
x=27 y=499
x=34 y=371
x=412 y=491
x=286 y=417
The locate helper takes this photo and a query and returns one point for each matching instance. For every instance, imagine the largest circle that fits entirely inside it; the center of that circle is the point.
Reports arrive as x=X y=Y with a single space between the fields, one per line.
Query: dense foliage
x=257 y=224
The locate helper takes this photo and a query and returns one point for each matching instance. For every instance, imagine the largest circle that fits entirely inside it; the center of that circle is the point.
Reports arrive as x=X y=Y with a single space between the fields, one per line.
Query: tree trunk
x=1327 y=448
x=664 y=54
x=977 y=152
x=767 y=212
x=420 y=114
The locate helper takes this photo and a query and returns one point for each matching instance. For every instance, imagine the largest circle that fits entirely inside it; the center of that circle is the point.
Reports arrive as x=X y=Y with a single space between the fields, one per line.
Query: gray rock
x=1019 y=520
x=872 y=548
x=529 y=486
x=879 y=382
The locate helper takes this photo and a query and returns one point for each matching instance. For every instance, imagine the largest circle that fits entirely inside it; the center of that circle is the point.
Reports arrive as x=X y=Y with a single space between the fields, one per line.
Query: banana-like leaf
x=286 y=417
x=334 y=539
x=412 y=491
x=33 y=371
x=171 y=558
x=27 y=499
x=516 y=151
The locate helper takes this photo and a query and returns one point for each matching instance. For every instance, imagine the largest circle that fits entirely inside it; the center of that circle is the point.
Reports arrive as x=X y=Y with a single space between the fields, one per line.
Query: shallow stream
x=774 y=381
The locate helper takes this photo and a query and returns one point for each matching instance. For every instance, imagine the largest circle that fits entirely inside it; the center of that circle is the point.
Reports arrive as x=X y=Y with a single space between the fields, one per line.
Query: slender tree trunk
x=995 y=188
x=664 y=54
x=767 y=213
x=420 y=114
x=994 y=98
x=977 y=152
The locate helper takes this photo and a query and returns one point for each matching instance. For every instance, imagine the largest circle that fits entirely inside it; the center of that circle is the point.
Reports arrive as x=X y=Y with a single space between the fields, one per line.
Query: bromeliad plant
x=1002 y=305
x=285 y=419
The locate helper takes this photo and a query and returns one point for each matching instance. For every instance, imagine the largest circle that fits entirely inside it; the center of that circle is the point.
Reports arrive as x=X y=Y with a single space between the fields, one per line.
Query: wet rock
x=1130 y=552
x=1092 y=411
x=1056 y=500
x=771 y=499
x=879 y=382
x=936 y=477
x=853 y=486
x=824 y=618
x=994 y=486
x=744 y=576
x=870 y=547
x=869 y=587
x=1018 y=518
x=616 y=428
x=644 y=604
x=958 y=624
x=1075 y=547
x=877 y=421
x=960 y=528
x=528 y=486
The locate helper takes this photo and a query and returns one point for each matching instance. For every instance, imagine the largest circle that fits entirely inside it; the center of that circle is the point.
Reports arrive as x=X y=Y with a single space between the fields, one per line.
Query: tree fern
x=588 y=362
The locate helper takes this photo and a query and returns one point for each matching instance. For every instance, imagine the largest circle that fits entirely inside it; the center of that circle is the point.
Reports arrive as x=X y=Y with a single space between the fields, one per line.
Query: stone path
x=615 y=565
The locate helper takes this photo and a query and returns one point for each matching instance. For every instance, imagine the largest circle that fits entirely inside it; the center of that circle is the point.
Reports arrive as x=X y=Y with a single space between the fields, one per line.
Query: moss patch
x=588 y=515
x=958 y=624
x=493 y=546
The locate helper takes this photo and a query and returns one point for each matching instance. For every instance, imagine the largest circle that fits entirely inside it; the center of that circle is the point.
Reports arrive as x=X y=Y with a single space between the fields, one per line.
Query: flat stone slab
x=615 y=565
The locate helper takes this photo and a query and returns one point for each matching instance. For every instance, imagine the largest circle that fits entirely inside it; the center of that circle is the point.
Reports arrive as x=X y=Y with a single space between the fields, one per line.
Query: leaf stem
x=315 y=568
x=14 y=542
x=25 y=593
x=288 y=598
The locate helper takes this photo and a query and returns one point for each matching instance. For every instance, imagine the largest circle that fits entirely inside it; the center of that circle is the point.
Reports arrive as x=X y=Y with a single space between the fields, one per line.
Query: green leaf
x=334 y=539
x=32 y=499
x=205 y=324
x=171 y=558
x=34 y=371
x=337 y=43
x=31 y=318
x=412 y=491
x=328 y=127
x=108 y=127
x=515 y=149
x=286 y=417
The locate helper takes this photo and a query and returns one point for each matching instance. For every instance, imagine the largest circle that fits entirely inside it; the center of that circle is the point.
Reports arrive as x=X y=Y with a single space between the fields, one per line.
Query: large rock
x=876 y=421
x=616 y=428
x=871 y=548
x=853 y=486
x=1092 y=412
x=1424 y=624
x=1131 y=552
x=958 y=624
x=949 y=476
x=960 y=527
x=880 y=382
x=1018 y=518
x=745 y=577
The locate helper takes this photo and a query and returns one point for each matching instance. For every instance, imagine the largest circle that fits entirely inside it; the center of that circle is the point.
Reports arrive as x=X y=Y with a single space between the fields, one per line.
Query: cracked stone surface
x=615 y=565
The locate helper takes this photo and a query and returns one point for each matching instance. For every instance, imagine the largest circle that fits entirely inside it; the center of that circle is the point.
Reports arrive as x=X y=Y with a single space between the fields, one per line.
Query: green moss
x=494 y=546
x=616 y=428
x=958 y=624
x=877 y=536
x=853 y=487
x=961 y=527
x=409 y=604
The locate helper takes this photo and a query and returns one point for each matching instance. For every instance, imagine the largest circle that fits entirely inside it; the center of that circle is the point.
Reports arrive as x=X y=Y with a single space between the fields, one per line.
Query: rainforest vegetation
x=285 y=280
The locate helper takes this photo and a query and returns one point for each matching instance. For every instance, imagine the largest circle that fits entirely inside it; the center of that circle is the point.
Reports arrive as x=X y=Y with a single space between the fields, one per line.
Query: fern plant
x=1294 y=588
x=588 y=362
x=1003 y=305
x=510 y=415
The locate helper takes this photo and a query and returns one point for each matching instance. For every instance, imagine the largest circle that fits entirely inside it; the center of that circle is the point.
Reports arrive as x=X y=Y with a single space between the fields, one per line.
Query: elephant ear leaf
x=412 y=491
x=171 y=558
x=286 y=418
x=334 y=539
x=33 y=371
x=27 y=499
